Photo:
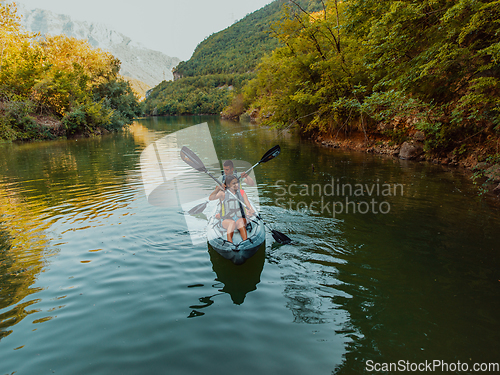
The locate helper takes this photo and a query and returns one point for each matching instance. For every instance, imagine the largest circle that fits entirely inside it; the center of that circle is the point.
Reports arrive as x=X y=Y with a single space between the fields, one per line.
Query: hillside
x=138 y=87
x=236 y=49
x=219 y=67
x=137 y=62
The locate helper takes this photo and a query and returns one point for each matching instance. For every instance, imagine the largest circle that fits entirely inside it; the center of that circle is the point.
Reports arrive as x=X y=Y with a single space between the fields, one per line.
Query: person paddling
x=233 y=214
x=228 y=167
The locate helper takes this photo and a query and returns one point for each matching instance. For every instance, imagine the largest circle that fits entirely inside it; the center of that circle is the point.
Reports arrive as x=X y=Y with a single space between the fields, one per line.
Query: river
x=392 y=262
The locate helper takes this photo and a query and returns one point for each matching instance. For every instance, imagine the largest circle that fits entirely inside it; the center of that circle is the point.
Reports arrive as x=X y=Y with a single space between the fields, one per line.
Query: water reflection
x=232 y=279
x=238 y=280
x=419 y=280
x=75 y=185
x=419 y=283
x=23 y=252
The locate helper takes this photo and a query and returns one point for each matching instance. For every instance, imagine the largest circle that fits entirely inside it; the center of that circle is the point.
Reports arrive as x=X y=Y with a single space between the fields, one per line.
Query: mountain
x=138 y=62
x=240 y=47
x=219 y=67
x=236 y=49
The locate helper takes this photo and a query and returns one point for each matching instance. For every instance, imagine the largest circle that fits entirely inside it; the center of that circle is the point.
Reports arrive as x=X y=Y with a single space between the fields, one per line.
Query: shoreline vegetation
x=418 y=81
x=56 y=86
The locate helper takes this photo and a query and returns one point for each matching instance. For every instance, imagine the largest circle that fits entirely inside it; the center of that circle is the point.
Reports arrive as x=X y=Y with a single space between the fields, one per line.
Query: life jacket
x=231 y=206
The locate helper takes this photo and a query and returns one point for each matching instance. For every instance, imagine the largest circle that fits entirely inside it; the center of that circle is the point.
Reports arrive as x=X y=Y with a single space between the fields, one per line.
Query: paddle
x=194 y=161
x=269 y=155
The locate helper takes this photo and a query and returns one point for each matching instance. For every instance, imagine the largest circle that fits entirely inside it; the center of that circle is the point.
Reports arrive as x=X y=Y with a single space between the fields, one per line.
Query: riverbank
x=44 y=128
x=475 y=162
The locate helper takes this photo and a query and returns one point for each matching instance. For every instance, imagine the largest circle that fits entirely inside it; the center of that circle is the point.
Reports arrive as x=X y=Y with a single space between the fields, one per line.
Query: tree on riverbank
x=206 y=94
x=363 y=63
x=60 y=80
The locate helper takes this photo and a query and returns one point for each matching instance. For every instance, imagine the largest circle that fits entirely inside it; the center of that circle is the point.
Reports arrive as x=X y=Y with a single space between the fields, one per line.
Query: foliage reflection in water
x=96 y=280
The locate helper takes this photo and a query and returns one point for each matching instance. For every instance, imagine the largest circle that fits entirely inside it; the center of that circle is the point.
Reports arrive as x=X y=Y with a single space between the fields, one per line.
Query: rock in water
x=410 y=150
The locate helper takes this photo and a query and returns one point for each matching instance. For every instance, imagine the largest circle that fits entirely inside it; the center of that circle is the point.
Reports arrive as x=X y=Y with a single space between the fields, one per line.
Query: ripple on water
x=95 y=280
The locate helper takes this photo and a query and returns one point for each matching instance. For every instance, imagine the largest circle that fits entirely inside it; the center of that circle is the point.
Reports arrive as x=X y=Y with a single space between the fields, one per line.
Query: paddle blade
x=192 y=159
x=198 y=209
x=280 y=237
x=271 y=154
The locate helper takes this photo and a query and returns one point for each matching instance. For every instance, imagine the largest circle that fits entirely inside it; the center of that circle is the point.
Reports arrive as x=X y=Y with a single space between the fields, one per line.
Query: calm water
x=94 y=280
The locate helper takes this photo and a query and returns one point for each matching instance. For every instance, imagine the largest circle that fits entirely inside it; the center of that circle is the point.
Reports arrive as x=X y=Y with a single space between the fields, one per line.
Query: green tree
x=442 y=53
x=57 y=76
x=118 y=96
x=358 y=62
x=311 y=80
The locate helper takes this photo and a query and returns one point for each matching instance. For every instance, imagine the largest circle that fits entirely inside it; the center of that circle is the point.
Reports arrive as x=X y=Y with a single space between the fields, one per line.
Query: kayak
x=237 y=251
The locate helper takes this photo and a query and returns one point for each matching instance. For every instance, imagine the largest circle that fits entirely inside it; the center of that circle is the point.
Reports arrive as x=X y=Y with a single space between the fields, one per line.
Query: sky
x=174 y=27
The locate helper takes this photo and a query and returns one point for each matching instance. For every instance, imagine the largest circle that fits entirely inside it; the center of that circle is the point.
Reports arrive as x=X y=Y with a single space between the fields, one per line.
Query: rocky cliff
x=138 y=62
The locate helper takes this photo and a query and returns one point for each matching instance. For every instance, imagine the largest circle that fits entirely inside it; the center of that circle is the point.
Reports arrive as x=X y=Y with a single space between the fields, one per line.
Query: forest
x=205 y=94
x=58 y=86
x=327 y=67
x=391 y=67
x=236 y=49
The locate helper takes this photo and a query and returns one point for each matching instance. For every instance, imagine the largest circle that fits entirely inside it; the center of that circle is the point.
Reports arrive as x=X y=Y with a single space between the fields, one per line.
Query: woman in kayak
x=233 y=213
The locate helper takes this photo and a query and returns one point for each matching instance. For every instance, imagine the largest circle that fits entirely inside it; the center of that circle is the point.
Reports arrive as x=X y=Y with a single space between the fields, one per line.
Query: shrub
x=6 y=131
x=87 y=118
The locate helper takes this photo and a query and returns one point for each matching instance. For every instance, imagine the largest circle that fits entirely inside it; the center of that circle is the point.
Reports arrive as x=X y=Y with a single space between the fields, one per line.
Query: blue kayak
x=237 y=251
